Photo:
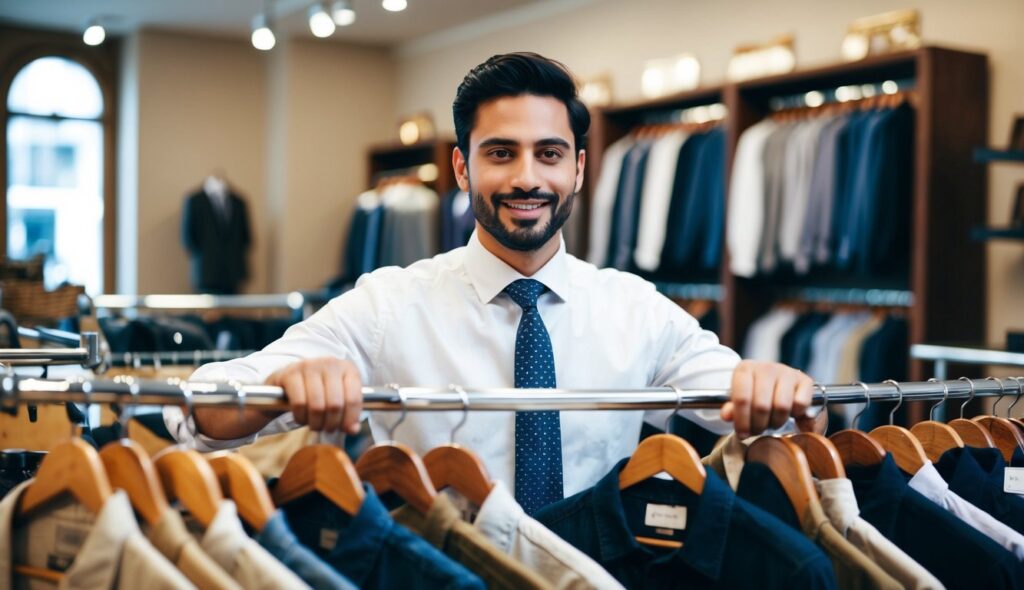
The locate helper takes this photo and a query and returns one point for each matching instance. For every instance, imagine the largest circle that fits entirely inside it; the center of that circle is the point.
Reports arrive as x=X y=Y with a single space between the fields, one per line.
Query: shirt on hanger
x=447 y=320
x=764 y=338
x=622 y=241
x=746 y=213
x=502 y=520
x=277 y=538
x=976 y=475
x=248 y=563
x=727 y=542
x=840 y=504
x=105 y=550
x=774 y=181
x=172 y=539
x=930 y=484
x=655 y=200
x=929 y=534
x=371 y=549
x=603 y=201
x=442 y=528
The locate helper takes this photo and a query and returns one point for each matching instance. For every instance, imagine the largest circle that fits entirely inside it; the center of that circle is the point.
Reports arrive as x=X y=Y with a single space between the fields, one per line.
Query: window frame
x=20 y=47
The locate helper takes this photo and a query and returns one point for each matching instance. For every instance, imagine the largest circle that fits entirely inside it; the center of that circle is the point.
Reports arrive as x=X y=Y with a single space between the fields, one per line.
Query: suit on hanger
x=217 y=241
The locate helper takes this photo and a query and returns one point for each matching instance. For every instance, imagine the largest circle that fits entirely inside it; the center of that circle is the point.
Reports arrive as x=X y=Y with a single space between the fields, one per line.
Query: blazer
x=217 y=247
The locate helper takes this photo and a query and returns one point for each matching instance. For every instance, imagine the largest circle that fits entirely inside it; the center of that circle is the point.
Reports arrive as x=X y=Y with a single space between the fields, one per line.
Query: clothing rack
x=173 y=357
x=16 y=389
x=299 y=304
x=87 y=354
x=50 y=336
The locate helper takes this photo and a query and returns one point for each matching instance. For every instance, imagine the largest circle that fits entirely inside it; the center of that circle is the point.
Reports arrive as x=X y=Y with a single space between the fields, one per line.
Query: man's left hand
x=765 y=395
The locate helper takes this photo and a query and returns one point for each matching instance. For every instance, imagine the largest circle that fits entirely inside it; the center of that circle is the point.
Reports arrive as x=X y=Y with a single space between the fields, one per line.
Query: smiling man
x=512 y=308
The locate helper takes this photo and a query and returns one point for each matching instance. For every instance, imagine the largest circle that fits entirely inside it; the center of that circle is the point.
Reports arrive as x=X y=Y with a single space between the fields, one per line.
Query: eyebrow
x=507 y=142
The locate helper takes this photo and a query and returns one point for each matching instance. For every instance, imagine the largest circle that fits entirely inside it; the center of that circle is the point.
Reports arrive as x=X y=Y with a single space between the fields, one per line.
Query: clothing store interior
x=543 y=294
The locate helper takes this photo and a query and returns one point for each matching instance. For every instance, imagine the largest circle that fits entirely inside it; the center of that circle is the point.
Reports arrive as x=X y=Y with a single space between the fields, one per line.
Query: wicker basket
x=29 y=300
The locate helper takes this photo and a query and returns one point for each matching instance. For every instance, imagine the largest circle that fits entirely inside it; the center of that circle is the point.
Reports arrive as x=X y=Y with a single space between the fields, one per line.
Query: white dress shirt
x=764 y=339
x=745 y=217
x=603 y=202
x=659 y=179
x=446 y=320
x=930 y=484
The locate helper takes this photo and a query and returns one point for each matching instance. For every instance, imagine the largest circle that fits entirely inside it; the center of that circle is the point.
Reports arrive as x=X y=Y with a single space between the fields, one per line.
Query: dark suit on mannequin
x=217 y=240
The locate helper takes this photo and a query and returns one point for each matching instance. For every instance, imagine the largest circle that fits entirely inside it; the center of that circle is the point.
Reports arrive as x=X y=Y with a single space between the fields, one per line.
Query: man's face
x=522 y=172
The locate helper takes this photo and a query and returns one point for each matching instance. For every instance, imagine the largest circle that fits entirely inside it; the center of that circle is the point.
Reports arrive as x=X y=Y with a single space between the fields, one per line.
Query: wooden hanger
x=71 y=467
x=188 y=478
x=936 y=438
x=129 y=468
x=240 y=481
x=455 y=466
x=822 y=455
x=856 y=447
x=1005 y=434
x=904 y=446
x=972 y=433
x=393 y=466
x=790 y=467
x=325 y=469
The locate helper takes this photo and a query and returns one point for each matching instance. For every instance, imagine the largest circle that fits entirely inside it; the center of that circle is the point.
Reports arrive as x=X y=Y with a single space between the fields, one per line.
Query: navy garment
x=930 y=535
x=863 y=166
x=456 y=227
x=727 y=542
x=714 y=192
x=968 y=472
x=884 y=356
x=622 y=238
x=371 y=549
x=280 y=542
x=797 y=343
x=759 y=486
x=694 y=228
x=687 y=175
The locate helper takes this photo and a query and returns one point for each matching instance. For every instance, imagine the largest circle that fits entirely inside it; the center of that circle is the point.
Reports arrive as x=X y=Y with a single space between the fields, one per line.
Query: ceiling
x=374 y=25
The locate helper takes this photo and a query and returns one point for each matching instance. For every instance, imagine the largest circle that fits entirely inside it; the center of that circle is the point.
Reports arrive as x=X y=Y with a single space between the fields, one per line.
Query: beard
x=529 y=234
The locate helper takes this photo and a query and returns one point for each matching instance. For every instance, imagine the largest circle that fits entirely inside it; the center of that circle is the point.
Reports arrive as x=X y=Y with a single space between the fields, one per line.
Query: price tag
x=666 y=517
x=1013 y=480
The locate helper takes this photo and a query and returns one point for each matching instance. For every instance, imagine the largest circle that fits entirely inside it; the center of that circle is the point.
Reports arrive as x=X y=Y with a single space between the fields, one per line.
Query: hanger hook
x=867 y=403
x=824 y=404
x=465 y=408
x=945 y=396
x=971 y=397
x=1016 y=399
x=401 y=417
x=87 y=393
x=1002 y=392
x=892 y=414
x=679 y=403
x=126 y=412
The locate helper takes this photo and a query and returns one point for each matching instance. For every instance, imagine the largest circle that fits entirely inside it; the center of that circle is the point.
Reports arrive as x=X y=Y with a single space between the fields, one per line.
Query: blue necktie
x=538 y=434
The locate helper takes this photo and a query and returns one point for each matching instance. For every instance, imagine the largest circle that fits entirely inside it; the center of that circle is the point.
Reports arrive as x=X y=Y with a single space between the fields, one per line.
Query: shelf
x=981 y=233
x=992 y=155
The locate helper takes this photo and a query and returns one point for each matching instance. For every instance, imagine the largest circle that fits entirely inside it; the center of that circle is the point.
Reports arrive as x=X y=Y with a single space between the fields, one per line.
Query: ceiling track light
x=94 y=33
x=342 y=13
x=394 y=5
x=320 y=22
x=262 y=34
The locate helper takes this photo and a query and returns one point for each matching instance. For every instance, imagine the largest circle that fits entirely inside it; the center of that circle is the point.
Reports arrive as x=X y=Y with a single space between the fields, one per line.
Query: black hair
x=516 y=74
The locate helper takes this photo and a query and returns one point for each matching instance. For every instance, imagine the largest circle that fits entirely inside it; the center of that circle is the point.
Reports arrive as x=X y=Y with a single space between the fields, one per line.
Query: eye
x=551 y=154
x=500 y=154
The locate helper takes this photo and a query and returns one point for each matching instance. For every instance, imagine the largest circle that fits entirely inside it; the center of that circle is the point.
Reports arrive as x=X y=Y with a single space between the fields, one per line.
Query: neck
x=526 y=263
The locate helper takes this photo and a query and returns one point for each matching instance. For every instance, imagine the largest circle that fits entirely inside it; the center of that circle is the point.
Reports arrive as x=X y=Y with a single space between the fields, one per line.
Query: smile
x=524 y=207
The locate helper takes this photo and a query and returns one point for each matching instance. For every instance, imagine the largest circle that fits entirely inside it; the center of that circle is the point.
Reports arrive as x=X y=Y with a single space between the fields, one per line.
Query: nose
x=525 y=178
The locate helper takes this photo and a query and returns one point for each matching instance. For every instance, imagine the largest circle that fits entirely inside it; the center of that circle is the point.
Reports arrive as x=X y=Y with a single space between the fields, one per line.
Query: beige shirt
x=105 y=550
x=840 y=505
x=442 y=528
x=172 y=539
x=502 y=520
x=248 y=563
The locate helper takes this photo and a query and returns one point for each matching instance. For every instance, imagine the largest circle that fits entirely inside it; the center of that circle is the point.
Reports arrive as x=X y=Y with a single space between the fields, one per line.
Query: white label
x=1013 y=480
x=666 y=517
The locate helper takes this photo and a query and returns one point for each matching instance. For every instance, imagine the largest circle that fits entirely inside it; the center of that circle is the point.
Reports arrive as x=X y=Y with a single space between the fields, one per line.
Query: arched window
x=55 y=163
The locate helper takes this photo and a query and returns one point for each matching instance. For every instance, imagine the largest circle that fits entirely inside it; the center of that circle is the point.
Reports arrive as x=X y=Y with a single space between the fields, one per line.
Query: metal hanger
x=973 y=434
x=936 y=437
x=904 y=446
x=1009 y=411
x=1005 y=434
x=822 y=455
x=854 y=446
x=453 y=465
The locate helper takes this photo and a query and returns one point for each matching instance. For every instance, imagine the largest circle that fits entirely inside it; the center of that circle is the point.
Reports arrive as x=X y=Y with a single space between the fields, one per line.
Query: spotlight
x=94 y=33
x=394 y=5
x=343 y=13
x=262 y=36
x=320 y=23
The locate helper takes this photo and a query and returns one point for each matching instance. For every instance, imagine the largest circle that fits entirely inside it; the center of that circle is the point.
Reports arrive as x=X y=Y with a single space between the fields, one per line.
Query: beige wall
x=615 y=37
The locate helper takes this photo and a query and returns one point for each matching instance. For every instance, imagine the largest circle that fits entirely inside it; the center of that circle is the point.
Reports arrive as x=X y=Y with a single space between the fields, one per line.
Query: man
x=510 y=309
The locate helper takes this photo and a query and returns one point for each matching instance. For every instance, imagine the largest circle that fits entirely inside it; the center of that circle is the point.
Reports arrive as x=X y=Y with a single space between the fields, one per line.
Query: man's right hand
x=325 y=393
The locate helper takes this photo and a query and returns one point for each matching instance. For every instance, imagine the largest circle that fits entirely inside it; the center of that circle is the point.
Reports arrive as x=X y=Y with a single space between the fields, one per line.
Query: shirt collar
x=499 y=517
x=707 y=526
x=433 y=526
x=490 y=275
x=362 y=538
x=929 y=483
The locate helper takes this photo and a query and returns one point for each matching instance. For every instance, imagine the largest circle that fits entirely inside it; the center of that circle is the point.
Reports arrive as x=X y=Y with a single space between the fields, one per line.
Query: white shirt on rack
x=746 y=214
x=446 y=320
x=656 y=200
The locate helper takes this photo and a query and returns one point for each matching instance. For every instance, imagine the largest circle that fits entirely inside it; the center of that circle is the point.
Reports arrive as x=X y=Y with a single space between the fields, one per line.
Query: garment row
x=659 y=204
x=830 y=191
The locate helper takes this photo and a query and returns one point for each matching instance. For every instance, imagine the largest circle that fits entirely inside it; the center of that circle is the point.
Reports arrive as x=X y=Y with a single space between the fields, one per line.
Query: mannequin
x=216 y=234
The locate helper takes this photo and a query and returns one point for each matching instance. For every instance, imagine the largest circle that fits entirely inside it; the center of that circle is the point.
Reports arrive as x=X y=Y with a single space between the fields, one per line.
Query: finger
x=296 y=392
x=782 y=400
x=761 y=400
x=742 y=391
x=804 y=395
x=314 y=398
x=334 y=394
x=728 y=410
x=353 y=401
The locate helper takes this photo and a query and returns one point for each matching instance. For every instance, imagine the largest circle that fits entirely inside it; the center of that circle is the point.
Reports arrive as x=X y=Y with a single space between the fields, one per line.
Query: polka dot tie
x=538 y=434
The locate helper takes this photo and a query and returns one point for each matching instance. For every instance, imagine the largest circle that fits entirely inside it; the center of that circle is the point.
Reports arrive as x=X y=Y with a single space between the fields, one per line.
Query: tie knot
x=525 y=292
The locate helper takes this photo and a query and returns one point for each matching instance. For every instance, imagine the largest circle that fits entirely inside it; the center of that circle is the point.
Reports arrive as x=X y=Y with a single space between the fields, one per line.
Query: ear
x=461 y=168
x=581 y=161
